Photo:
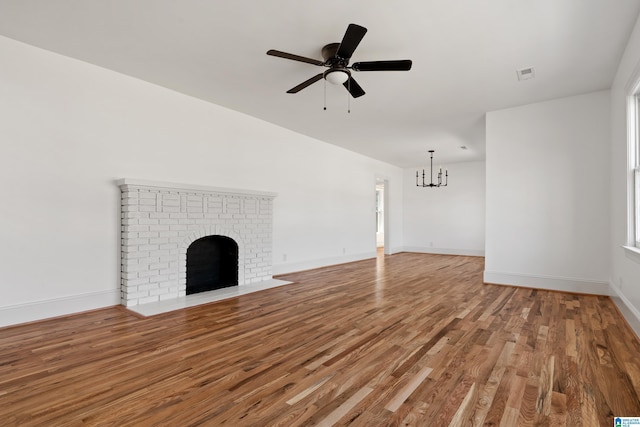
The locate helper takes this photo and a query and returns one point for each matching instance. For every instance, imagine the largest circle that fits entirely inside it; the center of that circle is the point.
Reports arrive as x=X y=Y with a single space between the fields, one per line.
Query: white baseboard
x=564 y=284
x=628 y=310
x=292 y=267
x=39 y=310
x=444 y=251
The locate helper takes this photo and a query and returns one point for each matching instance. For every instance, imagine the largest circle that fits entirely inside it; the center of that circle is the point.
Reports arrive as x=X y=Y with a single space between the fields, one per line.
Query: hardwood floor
x=412 y=339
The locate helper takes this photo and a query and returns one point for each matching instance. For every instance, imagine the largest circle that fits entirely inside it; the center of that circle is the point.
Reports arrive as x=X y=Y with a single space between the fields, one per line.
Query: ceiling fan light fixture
x=336 y=76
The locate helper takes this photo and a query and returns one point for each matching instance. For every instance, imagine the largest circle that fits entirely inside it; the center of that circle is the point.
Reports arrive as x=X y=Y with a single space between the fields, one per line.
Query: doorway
x=382 y=216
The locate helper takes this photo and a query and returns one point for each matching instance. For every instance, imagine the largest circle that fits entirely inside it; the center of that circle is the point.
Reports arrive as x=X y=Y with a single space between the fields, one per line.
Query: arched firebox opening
x=212 y=263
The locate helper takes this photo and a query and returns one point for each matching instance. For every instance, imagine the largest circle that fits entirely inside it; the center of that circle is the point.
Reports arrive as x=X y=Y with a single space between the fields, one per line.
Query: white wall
x=547 y=194
x=69 y=129
x=625 y=274
x=446 y=220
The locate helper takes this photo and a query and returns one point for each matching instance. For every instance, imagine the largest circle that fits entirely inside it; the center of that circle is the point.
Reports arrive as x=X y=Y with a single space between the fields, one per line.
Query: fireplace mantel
x=168 y=186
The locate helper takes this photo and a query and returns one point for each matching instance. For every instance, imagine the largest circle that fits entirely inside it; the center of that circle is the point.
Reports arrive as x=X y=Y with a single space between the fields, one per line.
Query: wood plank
x=403 y=394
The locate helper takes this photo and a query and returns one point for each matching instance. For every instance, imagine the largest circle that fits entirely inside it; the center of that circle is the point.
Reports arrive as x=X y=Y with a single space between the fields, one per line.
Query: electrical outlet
x=284 y=257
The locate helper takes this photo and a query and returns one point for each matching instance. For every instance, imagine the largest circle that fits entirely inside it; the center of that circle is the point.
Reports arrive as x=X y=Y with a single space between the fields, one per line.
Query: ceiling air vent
x=526 y=73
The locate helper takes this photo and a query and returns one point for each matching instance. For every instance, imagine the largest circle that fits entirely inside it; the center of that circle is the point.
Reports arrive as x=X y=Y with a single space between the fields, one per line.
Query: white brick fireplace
x=160 y=220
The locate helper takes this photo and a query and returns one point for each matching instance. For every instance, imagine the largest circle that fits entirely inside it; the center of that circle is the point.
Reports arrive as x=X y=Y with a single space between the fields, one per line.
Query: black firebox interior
x=212 y=263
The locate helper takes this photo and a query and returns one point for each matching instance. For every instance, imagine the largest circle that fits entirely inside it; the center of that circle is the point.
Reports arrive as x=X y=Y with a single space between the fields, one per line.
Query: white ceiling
x=465 y=54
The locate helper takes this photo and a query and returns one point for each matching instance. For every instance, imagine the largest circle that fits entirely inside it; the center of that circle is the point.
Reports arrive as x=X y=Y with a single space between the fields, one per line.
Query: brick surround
x=160 y=221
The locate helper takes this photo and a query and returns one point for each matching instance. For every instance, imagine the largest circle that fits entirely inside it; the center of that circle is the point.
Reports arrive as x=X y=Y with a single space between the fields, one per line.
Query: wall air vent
x=526 y=73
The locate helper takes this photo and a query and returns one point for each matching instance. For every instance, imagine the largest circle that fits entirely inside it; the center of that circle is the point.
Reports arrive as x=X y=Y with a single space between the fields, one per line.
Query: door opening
x=382 y=216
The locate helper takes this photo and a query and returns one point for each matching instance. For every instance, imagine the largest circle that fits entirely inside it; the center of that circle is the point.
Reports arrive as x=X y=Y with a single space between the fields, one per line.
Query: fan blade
x=306 y=83
x=401 y=65
x=354 y=88
x=350 y=41
x=293 y=57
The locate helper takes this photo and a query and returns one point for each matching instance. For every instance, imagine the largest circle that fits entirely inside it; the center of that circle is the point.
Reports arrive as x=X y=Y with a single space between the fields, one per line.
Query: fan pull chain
x=325 y=95
x=349 y=96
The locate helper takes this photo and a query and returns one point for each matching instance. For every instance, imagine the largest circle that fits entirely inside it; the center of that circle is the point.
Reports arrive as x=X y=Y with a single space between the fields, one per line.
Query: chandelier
x=432 y=184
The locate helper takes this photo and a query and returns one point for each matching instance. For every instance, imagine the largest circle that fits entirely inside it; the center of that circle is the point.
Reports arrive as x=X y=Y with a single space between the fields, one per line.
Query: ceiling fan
x=336 y=59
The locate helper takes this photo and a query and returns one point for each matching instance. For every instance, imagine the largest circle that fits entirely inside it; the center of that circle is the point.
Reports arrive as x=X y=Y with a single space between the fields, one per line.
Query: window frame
x=634 y=149
x=632 y=245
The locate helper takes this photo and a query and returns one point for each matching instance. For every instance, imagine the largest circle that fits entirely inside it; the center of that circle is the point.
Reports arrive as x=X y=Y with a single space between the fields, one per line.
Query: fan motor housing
x=329 y=55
